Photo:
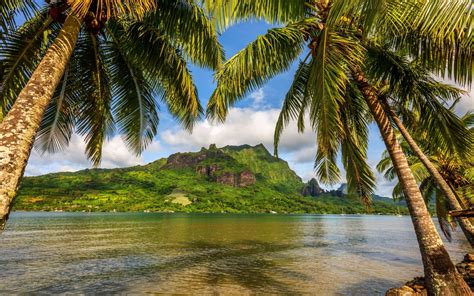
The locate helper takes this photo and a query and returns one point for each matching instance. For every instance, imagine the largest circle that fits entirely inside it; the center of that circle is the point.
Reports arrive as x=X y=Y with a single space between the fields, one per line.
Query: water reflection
x=157 y=253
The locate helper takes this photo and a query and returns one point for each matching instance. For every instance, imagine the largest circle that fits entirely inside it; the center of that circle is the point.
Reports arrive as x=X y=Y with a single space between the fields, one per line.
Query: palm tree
x=337 y=33
x=411 y=89
x=88 y=66
x=455 y=170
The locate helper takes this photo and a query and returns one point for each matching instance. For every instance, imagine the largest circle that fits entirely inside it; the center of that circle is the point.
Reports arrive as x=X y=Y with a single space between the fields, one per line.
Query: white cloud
x=466 y=103
x=306 y=154
x=73 y=158
x=258 y=96
x=243 y=126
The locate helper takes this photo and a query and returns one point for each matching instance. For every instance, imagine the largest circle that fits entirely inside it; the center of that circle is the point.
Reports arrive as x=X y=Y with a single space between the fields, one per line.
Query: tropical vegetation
x=159 y=187
x=456 y=170
x=405 y=86
x=92 y=68
x=331 y=86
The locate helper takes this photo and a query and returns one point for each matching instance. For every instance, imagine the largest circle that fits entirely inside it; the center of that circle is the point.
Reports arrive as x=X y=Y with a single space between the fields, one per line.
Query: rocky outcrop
x=241 y=179
x=187 y=160
x=227 y=179
x=466 y=269
x=312 y=188
x=246 y=178
x=342 y=189
x=214 y=172
x=207 y=170
x=416 y=287
x=184 y=160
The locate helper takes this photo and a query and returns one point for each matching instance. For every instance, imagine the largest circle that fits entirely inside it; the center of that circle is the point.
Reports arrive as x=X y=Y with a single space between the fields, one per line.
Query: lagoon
x=209 y=253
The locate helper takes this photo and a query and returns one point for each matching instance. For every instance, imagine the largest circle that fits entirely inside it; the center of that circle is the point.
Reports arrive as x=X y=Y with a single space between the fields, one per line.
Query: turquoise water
x=209 y=253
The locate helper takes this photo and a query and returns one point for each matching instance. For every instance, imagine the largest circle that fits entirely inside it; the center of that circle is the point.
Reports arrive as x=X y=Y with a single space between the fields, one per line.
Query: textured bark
x=465 y=224
x=18 y=129
x=440 y=273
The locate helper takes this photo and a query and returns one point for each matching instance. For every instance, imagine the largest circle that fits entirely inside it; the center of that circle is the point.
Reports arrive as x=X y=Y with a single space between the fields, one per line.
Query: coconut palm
x=90 y=66
x=455 y=170
x=337 y=33
x=411 y=90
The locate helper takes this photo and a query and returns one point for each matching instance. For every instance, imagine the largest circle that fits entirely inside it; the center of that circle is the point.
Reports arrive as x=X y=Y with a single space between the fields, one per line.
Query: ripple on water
x=232 y=254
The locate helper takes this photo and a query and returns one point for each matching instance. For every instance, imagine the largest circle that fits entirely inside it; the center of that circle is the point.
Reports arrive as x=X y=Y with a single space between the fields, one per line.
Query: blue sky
x=250 y=122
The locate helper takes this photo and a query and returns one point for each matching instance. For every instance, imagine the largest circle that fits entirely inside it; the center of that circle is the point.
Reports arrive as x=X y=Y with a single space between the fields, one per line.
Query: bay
x=50 y=253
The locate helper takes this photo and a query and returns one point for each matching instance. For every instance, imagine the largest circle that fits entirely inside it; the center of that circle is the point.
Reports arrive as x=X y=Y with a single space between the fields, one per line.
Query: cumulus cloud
x=305 y=154
x=258 y=96
x=243 y=126
x=73 y=158
x=466 y=103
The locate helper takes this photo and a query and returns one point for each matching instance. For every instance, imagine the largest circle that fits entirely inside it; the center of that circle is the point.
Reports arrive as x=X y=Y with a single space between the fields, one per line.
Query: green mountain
x=237 y=179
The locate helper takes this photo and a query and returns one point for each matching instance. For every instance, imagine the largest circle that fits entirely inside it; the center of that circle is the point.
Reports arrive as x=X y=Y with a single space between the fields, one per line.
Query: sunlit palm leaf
x=189 y=29
x=262 y=59
x=20 y=54
x=228 y=12
x=166 y=69
x=440 y=35
x=293 y=104
x=334 y=54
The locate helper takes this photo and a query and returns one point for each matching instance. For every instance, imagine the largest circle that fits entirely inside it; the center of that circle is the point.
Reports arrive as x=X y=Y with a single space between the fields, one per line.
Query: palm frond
x=9 y=11
x=293 y=104
x=166 y=70
x=440 y=35
x=134 y=106
x=334 y=53
x=416 y=93
x=59 y=119
x=20 y=54
x=228 y=12
x=446 y=224
x=261 y=60
x=189 y=29
x=95 y=121
x=354 y=143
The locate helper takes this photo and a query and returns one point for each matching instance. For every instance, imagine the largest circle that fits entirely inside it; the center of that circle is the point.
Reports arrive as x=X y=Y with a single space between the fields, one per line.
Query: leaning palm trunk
x=19 y=127
x=465 y=224
x=440 y=273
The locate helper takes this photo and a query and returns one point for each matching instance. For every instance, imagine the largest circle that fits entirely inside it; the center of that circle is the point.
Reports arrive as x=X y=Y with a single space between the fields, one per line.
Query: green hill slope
x=238 y=179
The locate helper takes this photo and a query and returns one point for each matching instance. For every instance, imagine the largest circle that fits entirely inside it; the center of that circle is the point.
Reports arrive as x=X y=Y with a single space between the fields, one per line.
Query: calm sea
x=209 y=253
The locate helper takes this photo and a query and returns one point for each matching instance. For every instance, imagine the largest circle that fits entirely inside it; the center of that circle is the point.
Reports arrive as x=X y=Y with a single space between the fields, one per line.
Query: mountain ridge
x=238 y=179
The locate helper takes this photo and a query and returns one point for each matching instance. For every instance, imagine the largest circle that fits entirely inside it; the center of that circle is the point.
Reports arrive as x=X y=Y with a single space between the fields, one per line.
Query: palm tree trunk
x=465 y=224
x=18 y=129
x=440 y=273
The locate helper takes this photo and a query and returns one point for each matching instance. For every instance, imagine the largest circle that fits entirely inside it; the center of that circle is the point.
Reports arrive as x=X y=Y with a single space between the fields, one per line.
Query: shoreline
x=416 y=287
x=228 y=213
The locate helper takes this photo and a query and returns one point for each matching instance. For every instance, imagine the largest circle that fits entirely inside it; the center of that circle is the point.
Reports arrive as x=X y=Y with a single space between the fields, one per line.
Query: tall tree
x=336 y=33
x=412 y=91
x=88 y=66
x=455 y=170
